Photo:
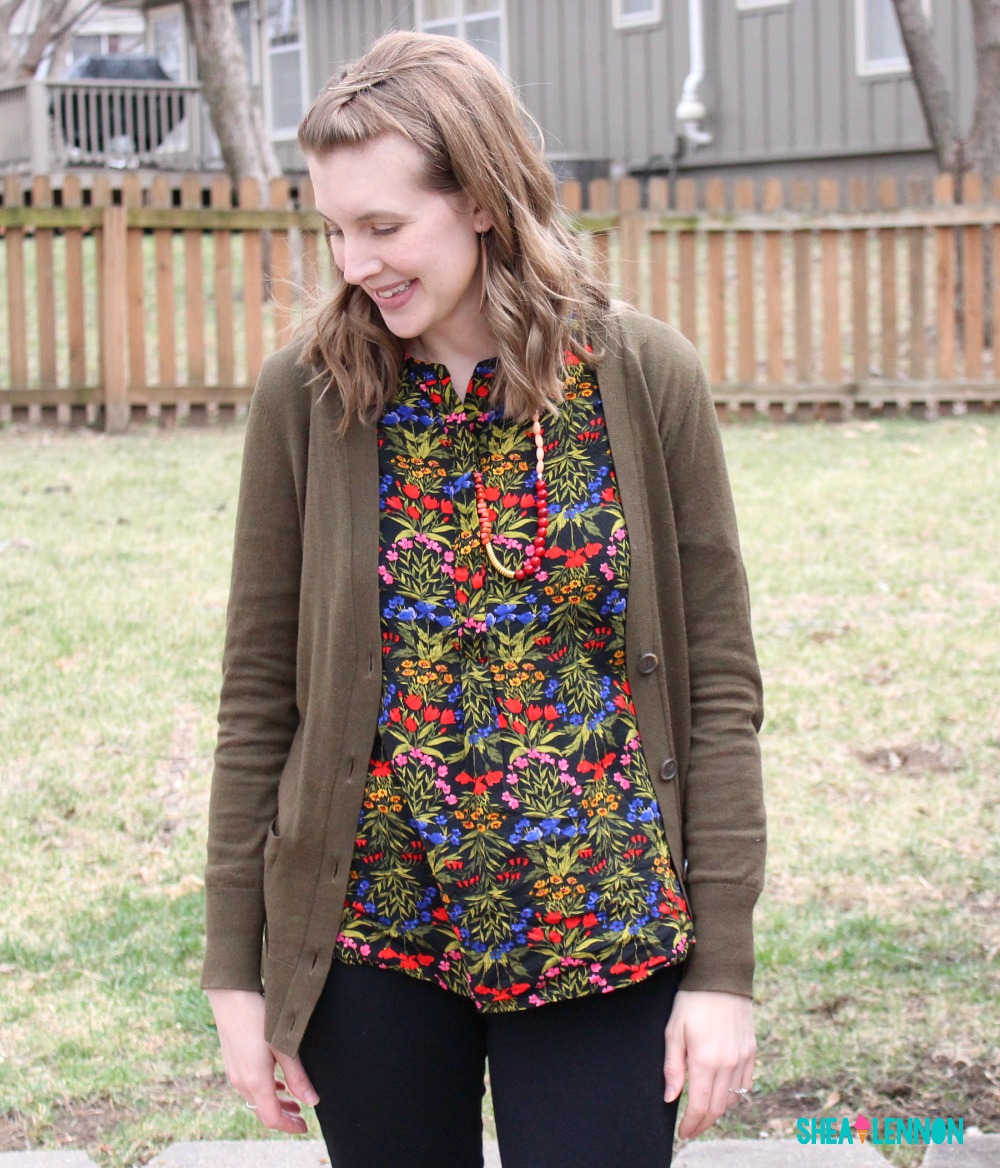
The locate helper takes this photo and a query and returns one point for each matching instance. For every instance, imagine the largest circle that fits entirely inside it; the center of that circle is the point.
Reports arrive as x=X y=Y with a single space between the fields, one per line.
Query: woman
x=487 y=778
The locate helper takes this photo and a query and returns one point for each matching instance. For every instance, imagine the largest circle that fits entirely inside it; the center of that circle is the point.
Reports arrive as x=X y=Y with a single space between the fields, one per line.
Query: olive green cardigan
x=302 y=670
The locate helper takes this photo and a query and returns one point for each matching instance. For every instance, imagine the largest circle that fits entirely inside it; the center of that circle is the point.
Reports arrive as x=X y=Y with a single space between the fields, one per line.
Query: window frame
x=424 y=24
x=253 y=61
x=624 y=21
x=759 y=5
x=267 y=53
x=886 y=66
x=171 y=12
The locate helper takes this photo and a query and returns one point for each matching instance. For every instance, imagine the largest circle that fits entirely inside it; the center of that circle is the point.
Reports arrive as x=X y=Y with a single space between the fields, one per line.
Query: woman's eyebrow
x=367 y=217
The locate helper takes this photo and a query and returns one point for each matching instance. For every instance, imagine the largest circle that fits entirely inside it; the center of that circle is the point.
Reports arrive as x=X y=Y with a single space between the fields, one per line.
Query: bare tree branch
x=55 y=19
x=59 y=33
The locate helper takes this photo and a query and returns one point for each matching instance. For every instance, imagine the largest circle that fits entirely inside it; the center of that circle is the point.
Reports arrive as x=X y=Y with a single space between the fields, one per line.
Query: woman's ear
x=481 y=222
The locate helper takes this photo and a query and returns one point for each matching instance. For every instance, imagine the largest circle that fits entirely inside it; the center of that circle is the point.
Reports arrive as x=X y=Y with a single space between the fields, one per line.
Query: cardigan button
x=668 y=770
x=648 y=662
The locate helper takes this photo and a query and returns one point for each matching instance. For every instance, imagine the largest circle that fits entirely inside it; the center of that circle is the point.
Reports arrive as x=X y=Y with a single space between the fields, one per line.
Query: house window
x=880 y=47
x=634 y=13
x=480 y=22
x=85 y=46
x=286 y=77
x=244 y=24
x=108 y=44
x=168 y=41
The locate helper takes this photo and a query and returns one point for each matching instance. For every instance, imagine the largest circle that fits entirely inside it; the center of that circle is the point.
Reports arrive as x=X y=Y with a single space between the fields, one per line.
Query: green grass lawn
x=874 y=559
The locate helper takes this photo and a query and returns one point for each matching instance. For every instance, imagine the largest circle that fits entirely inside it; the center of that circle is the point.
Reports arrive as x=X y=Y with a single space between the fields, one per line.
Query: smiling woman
x=414 y=251
x=450 y=127
x=487 y=779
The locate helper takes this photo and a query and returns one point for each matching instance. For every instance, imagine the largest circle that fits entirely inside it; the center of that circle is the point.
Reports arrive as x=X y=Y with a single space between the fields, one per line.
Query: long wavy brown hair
x=542 y=299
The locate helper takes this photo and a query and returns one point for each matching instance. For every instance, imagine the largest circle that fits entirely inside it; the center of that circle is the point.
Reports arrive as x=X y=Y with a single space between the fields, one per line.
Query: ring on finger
x=741 y=1092
x=249 y=1105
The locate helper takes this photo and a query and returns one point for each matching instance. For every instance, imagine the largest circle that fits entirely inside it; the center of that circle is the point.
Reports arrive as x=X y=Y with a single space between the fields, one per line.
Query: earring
x=482 y=265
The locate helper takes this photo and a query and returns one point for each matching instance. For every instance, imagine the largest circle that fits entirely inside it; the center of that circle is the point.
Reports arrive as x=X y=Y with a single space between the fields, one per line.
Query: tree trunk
x=983 y=151
x=225 y=83
x=935 y=98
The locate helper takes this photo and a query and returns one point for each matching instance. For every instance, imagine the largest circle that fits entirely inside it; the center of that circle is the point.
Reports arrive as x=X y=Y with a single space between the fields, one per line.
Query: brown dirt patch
x=77 y=1124
x=13 y=1132
x=912 y=758
x=949 y=1088
x=91 y=1123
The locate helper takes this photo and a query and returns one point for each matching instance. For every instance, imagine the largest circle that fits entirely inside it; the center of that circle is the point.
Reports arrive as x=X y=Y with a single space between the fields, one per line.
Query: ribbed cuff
x=722 y=957
x=234 y=927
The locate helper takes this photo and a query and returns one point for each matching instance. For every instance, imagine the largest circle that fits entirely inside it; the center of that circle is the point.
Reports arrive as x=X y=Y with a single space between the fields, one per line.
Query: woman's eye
x=333 y=233
x=387 y=230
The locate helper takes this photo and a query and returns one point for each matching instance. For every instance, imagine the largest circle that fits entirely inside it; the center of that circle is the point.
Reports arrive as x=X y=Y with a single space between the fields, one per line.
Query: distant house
x=636 y=85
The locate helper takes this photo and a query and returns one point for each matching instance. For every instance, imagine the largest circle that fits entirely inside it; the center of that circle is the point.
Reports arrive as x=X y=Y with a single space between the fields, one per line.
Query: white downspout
x=691 y=109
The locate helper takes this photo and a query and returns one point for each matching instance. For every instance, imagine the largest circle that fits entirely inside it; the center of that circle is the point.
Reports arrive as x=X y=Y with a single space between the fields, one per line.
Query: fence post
x=17 y=289
x=715 y=202
x=631 y=235
x=944 y=195
x=746 y=347
x=114 y=320
x=975 y=284
x=686 y=199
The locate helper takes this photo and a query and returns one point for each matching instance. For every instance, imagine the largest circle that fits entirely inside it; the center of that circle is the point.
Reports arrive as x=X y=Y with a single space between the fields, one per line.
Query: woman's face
x=415 y=252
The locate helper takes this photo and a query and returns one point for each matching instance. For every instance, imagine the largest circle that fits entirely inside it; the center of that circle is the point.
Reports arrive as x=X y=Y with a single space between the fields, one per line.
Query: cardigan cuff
x=721 y=958
x=234 y=920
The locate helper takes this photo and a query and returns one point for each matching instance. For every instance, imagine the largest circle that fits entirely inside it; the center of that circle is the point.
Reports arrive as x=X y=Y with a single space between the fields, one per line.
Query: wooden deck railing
x=53 y=125
x=145 y=299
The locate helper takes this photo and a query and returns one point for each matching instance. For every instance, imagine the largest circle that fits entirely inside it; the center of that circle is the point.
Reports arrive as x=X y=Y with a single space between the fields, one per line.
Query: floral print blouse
x=510 y=846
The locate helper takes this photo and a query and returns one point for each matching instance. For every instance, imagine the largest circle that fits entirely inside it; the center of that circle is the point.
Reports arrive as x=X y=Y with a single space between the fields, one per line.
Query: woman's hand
x=250 y=1062
x=710 y=1036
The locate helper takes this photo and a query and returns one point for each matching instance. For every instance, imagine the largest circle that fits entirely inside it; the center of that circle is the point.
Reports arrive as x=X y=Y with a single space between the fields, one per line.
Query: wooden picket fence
x=149 y=299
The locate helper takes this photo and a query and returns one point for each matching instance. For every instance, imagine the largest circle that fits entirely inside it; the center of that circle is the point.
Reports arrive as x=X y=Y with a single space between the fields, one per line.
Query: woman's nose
x=360 y=262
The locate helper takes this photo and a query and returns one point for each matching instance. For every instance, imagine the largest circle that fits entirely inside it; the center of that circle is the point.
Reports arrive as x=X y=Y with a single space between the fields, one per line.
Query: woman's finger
x=696 y=1117
x=296 y=1080
x=277 y=1114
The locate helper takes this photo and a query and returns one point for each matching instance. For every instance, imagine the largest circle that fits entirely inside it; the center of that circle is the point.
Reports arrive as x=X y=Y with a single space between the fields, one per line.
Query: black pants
x=399 y=1066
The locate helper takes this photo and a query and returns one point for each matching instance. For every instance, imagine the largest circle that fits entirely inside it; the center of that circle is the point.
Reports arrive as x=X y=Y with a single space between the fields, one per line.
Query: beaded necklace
x=533 y=560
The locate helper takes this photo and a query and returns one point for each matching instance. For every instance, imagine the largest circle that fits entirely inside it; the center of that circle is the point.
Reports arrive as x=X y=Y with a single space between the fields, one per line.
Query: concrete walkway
x=978 y=1151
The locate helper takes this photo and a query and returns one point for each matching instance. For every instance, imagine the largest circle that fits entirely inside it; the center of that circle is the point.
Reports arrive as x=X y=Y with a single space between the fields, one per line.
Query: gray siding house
x=624 y=86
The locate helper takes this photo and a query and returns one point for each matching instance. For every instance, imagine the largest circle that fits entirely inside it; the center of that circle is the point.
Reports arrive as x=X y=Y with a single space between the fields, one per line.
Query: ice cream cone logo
x=862 y=1126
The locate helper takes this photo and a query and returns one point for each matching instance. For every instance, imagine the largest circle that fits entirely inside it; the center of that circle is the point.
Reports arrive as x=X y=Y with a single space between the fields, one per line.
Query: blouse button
x=648 y=662
x=668 y=770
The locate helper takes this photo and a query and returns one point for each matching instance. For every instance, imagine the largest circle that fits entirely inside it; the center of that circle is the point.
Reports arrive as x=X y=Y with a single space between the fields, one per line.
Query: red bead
x=519 y=574
x=535 y=562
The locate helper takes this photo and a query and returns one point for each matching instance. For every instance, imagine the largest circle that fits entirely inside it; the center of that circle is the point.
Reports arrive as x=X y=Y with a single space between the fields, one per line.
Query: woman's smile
x=394 y=296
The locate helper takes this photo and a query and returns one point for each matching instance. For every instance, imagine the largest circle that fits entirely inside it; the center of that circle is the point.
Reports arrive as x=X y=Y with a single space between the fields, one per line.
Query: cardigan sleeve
x=258 y=713
x=723 y=809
